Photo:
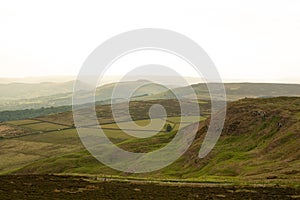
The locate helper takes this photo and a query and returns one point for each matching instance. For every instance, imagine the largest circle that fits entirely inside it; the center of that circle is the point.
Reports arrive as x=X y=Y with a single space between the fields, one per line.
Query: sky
x=249 y=41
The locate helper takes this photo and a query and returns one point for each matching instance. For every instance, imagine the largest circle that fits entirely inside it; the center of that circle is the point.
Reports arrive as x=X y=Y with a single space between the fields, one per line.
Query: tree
x=169 y=128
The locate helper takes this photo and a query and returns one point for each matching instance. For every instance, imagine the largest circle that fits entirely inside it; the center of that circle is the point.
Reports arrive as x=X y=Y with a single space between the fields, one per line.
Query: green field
x=44 y=126
x=127 y=125
x=22 y=122
x=186 y=119
x=49 y=142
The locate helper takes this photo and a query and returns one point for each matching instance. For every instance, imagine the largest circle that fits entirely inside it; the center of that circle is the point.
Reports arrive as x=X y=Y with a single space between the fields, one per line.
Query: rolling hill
x=19 y=96
x=236 y=91
x=16 y=91
x=15 y=96
x=260 y=142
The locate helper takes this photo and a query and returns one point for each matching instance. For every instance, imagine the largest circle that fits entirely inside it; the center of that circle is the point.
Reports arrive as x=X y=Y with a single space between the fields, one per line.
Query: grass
x=43 y=126
x=173 y=121
x=67 y=137
x=186 y=119
x=298 y=115
x=22 y=122
x=127 y=125
x=17 y=153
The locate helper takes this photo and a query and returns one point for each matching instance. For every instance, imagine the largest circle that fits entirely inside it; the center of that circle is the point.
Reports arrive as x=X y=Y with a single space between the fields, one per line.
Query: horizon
x=112 y=79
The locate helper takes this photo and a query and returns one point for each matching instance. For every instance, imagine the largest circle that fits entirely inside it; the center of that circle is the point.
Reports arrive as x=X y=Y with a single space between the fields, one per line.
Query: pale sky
x=255 y=40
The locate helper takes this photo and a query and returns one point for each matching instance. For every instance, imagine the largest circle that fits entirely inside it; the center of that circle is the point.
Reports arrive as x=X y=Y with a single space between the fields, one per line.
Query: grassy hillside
x=260 y=142
x=260 y=139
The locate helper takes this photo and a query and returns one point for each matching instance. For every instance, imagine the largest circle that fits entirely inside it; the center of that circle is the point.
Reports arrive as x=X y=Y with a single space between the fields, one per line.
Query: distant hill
x=36 y=80
x=22 y=96
x=16 y=91
x=235 y=91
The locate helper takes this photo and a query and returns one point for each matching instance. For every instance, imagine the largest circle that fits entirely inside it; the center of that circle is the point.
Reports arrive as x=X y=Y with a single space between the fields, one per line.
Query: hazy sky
x=255 y=40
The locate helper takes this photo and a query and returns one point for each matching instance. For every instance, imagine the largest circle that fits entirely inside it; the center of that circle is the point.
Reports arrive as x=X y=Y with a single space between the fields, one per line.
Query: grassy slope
x=260 y=140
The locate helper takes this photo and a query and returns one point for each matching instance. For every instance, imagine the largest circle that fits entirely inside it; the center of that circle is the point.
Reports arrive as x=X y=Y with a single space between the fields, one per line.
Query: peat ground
x=80 y=187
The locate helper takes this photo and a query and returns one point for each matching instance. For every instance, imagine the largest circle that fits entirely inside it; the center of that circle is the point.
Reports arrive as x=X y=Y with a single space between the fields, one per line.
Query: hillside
x=260 y=141
x=236 y=91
